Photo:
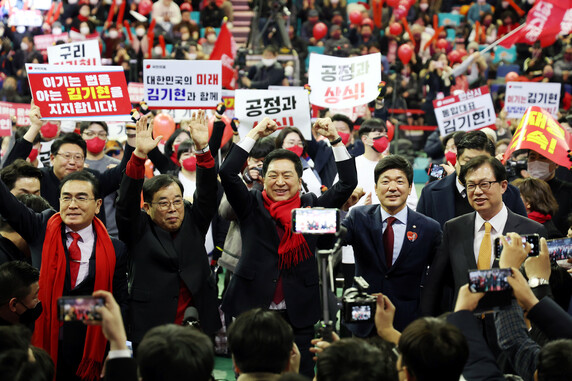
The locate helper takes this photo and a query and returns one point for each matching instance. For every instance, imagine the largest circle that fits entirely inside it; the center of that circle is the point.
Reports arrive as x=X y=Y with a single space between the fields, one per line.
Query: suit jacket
x=121 y=369
x=257 y=271
x=403 y=281
x=50 y=185
x=438 y=200
x=159 y=262
x=456 y=256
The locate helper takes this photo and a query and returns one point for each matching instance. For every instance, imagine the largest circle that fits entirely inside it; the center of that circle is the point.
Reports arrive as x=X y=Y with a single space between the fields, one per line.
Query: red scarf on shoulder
x=539 y=217
x=52 y=277
x=293 y=247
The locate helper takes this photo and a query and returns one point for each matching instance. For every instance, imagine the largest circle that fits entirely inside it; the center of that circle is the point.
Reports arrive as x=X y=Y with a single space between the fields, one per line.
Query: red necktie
x=75 y=258
x=388 y=241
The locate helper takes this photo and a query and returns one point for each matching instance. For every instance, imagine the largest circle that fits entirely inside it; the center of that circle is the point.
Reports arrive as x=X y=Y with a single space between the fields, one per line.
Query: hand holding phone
x=492 y=280
x=514 y=253
x=79 y=308
x=315 y=221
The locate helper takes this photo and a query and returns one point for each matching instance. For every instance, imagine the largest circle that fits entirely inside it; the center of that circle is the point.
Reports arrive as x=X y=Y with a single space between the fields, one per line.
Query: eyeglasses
x=484 y=185
x=68 y=156
x=166 y=205
x=91 y=134
x=80 y=200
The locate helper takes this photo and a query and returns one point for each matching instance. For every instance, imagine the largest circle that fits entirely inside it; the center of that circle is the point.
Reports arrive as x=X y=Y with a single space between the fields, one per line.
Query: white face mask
x=334 y=1
x=72 y=2
x=113 y=34
x=538 y=169
x=93 y=2
x=423 y=6
x=84 y=12
x=289 y=71
x=185 y=36
x=84 y=30
x=211 y=38
x=157 y=51
x=24 y=46
x=504 y=4
x=57 y=31
x=140 y=32
x=268 y=61
x=192 y=56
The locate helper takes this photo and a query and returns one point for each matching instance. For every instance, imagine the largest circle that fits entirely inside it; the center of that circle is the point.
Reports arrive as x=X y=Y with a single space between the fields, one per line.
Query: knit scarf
x=52 y=277
x=293 y=248
x=539 y=217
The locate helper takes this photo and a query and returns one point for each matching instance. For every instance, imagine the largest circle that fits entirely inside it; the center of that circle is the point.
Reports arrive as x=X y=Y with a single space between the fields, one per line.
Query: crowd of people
x=146 y=224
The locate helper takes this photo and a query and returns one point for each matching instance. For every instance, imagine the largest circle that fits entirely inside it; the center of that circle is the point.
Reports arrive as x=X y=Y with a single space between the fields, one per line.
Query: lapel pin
x=411 y=236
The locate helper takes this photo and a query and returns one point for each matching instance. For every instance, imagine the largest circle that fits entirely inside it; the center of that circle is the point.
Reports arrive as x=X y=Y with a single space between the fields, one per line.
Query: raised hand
x=35 y=116
x=325 y=127
x=144 y=141
x=198 y=126
x=266 y=127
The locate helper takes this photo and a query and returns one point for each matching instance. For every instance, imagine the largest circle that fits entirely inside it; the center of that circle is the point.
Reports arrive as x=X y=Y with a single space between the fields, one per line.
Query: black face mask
x=31 y=314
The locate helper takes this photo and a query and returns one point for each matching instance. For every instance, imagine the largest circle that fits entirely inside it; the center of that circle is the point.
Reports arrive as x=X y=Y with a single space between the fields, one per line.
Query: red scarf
x=293 y=247
x=52 y=277
x=539 y=217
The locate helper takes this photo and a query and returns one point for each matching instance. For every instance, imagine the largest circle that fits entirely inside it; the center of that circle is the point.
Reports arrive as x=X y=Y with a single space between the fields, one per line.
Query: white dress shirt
x=497 y=222
x=85 y=244
x=399 y=227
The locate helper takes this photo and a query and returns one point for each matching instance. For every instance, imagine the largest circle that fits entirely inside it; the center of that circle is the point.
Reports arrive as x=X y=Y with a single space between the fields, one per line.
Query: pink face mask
x=49 y=130
x=190 y=163
x=296 y=149
x=33 y=154
x=345 y=137
x=95 y=145
x=451 y=157
x=380 y=144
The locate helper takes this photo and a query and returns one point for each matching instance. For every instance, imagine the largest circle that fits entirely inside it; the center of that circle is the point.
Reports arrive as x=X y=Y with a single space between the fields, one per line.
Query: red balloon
x=228 y=132
x=442 y=43
x=454 y=57
x=164 y=125
x=511 y=76
x=145 y=7
x=392 y=3
x=320 y=31
x=462 y=52
x=405 y=53
x=390 y=130
x=356 y=17
x=395 y=29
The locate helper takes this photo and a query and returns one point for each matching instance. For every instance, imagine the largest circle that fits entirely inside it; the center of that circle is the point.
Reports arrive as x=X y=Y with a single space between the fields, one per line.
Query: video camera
x=357 y=305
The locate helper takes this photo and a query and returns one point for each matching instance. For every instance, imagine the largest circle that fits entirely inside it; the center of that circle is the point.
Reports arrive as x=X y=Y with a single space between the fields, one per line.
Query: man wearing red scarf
x=277 y=269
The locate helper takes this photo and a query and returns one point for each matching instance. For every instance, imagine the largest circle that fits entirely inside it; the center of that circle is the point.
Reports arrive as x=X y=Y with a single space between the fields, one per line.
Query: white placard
x=19 y=17
x=465 y=112
x=344 y=82
x=116 y=130
x=136 y=92
x=182 y=83
x=521 y=95
x=42 y=42
x=83 y=53
x=289 y=108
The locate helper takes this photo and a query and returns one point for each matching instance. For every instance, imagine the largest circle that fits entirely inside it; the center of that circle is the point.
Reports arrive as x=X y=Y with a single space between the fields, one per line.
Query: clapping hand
x=144 y=141
x=198 y=126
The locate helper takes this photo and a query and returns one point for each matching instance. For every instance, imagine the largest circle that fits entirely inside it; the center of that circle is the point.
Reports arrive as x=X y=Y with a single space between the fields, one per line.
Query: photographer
x=269 y=72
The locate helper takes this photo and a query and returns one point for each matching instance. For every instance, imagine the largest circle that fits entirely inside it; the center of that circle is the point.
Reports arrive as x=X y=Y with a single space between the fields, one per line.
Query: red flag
x=545 y=22
x=225 y=50
x=538 y=131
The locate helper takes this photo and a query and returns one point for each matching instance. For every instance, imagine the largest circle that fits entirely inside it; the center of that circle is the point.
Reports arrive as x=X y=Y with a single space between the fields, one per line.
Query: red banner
x=538 y=131
x=225 y=50
x=20 y=110
x=5 y=125
x=545 y=22
x=94 y=93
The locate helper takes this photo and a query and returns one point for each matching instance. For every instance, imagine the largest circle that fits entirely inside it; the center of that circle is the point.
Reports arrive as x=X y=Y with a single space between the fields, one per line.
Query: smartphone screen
x=489 y=280
x=560 y=249
x=79 y=308
x=436 y=172
x=315 y=221
x=532 y=239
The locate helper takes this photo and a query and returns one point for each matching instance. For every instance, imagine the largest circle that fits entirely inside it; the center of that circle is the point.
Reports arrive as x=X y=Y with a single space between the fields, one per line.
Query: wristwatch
x=204 y=150
x=535 y=282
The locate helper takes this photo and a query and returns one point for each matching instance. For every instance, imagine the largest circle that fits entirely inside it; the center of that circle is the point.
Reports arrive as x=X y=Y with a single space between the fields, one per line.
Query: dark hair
x=37 y=203
x=345 y=119
x=260 y=341
x=262 y=147
x=270 y=48
x=279 y=142
x=394 y=162
x=431 y=347
x=18 y=169
x=171 y=353
x=85 y=125
x=538 y=194
x=44 y=362
x=186 y=146
x=15 y=365
x=82 y=175
x=169 y=143
x=388 y=360
x=553 y=361
x=370 y=125
x=154 y=184
x=281 y=153
x=458 y=136
x=477 y=162
x=71 y=138
x=16 y=277
x=351 y=359
x=475 y=140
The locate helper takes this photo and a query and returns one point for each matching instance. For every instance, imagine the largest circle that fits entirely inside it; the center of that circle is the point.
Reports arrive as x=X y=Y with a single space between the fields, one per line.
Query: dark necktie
x=75 y=258
x=388 y=241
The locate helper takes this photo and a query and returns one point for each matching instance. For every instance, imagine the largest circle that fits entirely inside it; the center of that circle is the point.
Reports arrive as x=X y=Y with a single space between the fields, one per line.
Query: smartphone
x=436 y=172
x=489 y=280
x=79 y=308
x=532 y=239
x=315 y=221
x=560 y=249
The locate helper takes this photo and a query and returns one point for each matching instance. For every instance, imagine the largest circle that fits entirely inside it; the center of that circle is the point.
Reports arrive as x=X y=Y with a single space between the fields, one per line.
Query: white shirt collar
x=498 y=221
x=85 y=233
x=401 y=215
x=460 y=187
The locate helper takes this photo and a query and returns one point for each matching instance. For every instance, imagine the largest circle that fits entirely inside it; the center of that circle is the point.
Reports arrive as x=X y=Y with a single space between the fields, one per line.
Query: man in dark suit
x=399 y=272
x=167 y=258
x=78 y=256
x=445 y=199
x=277 y=269
x=468 y=239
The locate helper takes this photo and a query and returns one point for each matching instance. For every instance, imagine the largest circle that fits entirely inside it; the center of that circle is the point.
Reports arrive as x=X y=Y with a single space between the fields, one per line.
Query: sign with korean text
x=344 y=82
x=84 y=53
x=43 y=41
x=182 y=83
x=5 y=125
x=21 y=17
x=522 y=95
x=19 y=110
x=179 y=115
x=136 y=92
x=80 y=92
x=289 y=108
x=540 y=132
x=465 y=112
